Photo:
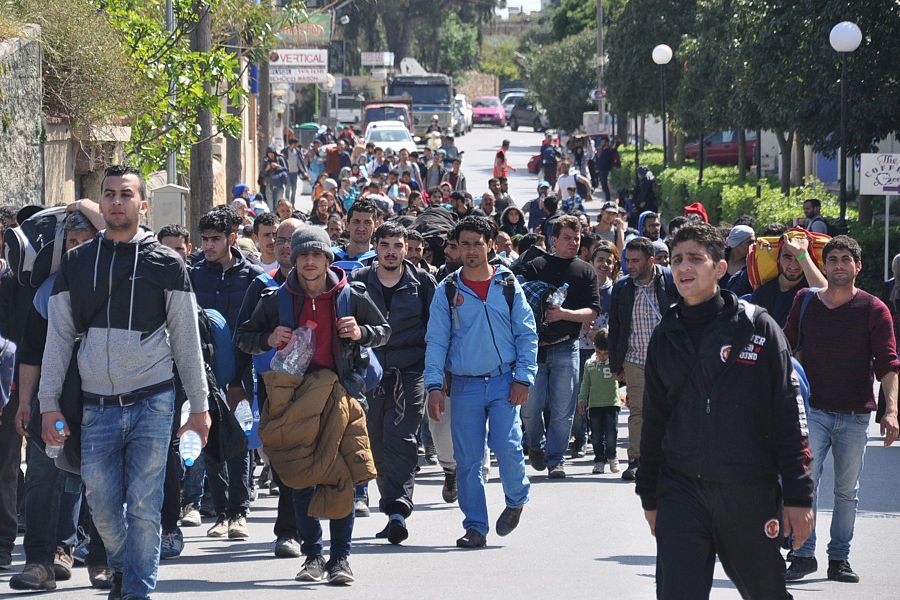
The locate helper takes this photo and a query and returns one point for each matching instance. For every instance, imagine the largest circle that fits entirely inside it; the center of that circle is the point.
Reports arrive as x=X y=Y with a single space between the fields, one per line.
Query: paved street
x=580 y=537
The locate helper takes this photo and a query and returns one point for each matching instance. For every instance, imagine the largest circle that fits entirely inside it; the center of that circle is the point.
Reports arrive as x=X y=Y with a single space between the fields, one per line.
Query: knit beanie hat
x=310 y=238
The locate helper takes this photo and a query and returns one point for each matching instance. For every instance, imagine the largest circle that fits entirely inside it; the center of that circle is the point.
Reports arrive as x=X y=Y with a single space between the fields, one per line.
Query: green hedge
x=871 y=240
x=774 y=207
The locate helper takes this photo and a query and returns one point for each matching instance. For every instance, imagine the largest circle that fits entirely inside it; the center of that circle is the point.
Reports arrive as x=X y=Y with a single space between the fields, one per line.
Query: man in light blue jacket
x=486 y=341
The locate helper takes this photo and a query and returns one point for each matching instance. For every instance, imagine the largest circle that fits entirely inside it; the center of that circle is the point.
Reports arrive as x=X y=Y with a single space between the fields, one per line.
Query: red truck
x=389 y=108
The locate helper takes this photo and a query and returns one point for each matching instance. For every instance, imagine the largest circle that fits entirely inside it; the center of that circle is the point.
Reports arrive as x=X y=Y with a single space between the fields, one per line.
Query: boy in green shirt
x=599 y=396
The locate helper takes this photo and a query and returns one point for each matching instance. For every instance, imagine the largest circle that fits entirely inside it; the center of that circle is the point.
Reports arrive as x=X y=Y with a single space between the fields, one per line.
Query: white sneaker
x=614 y=465
x=599 y=468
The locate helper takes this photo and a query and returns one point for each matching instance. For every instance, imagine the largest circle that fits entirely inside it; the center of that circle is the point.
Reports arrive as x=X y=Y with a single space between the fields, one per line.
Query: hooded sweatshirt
x=128 y=343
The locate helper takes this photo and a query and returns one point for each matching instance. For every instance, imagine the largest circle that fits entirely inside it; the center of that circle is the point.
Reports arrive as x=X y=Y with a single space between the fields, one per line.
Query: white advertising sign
x=298 y=66
x=377 y=59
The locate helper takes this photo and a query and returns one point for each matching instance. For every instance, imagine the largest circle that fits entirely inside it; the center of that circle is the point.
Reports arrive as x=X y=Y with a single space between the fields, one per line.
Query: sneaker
x=190 y=516
x=536 y=458
x=613 y=465
x=254 y=494
x=472 y=539
x=34 y=577
x=557 y=472
x=800 y=567
x=396 y=529
x=578 y=452
x=339 y=572
x=273 y=489
x=172 y=544
x=62 y=564
x=100 y=577
x=508 y=519
x=839 y=570
x=313 y=569
x=286 y=547
x=115 y=588
x=5 y=559
x=599 y=468
x=361 y=507
x=431 y=455
x=220 y=529
x=237 y=528
x=630 y=474
x=450 y=492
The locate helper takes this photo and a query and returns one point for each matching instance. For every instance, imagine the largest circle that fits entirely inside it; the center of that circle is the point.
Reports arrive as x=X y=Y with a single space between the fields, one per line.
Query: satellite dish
x=328 y=84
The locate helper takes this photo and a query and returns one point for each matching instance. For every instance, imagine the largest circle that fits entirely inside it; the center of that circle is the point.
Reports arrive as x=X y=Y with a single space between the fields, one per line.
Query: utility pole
x=201 y=153
x=233 y=158
x=171 y=160
x=600 y=58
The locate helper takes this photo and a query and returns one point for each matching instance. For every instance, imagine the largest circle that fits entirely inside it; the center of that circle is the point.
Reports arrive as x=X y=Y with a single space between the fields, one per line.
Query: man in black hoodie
x=724 y=422
x=403 y=294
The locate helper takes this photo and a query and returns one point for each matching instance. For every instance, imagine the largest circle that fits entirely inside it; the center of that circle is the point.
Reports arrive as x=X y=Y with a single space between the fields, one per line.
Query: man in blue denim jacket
x=487 y=342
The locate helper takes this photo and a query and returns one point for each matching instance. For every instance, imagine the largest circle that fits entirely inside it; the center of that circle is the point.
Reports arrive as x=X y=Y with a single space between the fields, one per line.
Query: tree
x=573 y=16
x=562 y=76
x=500 y=59
x=458 y=46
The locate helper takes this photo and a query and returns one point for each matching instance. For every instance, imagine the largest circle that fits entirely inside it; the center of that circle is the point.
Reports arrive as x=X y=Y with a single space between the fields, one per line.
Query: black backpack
x=35 y=248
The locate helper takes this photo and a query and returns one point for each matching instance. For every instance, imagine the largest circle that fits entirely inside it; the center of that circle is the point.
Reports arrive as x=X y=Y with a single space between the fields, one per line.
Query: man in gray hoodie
x=128 y=298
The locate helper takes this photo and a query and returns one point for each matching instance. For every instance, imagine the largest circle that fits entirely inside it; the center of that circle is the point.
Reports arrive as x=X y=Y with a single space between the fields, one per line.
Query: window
x=389 y=135
x=486 y=103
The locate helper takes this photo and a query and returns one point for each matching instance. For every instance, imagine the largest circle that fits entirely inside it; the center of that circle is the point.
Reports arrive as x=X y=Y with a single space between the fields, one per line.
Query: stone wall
x=21 y=129
x=474 y=84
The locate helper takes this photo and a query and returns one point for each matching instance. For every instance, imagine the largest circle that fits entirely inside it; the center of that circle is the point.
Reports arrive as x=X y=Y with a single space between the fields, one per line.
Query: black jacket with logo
x=729 y=413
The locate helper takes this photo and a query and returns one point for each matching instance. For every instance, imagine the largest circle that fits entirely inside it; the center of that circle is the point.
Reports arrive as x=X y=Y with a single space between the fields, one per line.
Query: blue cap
x=189 y=462
x=544 y=184
x=59 y=425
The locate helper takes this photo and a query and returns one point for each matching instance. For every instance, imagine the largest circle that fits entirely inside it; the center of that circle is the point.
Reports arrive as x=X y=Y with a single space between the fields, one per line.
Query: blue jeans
x=123 y=462
x=478 y=401
x=845 y=435
x=310 y=528
x=192 y=482
x=604 y=431
x=292 y=187
x=556 y=386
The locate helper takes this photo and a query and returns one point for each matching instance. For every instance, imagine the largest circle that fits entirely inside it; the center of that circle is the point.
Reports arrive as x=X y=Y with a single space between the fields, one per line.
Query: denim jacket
x=483 y=337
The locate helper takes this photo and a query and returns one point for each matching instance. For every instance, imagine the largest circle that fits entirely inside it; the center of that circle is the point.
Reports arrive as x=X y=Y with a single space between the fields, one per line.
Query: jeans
x=192 y=482
x=845 y=436
x=45 y=486
x=556 y=386
x=580 y=422
x=123 y=462
x=477 y=401
x=395 y=413
x=603 y=176
x=171 y=510
x=10 y=459
x=292 y=186
x=274 y=192
x=310 y=528
x=230 y=485
x=604 y=431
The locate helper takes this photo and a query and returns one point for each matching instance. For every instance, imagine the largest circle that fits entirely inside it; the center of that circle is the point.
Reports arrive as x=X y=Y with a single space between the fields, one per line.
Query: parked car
x=526 y=111
x=390 y=135
x=721 y=148
x=488 y=110
x=508 y=98
x=465 y=109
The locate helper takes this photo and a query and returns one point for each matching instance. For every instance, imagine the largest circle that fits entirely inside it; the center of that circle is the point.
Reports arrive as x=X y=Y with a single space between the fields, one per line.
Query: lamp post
x=845 y=38
x=662 y=55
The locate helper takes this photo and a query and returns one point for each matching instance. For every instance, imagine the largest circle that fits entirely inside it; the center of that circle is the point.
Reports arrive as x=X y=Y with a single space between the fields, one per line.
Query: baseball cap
x=610 y=207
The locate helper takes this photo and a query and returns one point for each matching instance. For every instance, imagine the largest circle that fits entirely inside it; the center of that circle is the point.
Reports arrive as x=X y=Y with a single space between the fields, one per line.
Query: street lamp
x=662 y=55
x=845 y=38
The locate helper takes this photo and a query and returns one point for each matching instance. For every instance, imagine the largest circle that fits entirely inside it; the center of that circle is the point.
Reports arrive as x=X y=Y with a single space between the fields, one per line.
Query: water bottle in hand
x=244 y=414
x=53 y=451
x=189 y=444
x=559 y=296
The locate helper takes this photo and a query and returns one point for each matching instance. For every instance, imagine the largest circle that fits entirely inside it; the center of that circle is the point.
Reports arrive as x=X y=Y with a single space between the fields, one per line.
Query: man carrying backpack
x=815 y=222
x=403 y=293
x=488 y=381
x=556 y=384
x=131 y=297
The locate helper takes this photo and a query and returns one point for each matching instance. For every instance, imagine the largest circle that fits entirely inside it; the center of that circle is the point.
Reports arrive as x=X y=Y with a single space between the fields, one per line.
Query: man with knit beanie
x=338 y=344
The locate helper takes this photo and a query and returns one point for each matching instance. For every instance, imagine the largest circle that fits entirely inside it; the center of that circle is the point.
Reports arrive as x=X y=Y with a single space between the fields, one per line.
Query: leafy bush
x=773 y=207
x=623 y=178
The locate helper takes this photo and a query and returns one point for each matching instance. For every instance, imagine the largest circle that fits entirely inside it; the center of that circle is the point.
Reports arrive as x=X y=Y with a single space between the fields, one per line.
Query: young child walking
x=599 y=396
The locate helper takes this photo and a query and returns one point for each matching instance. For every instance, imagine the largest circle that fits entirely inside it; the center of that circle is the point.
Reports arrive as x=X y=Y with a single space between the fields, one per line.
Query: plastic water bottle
x=189 y=444
x=53 y=450
x=559 y=296
x=244 y=414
